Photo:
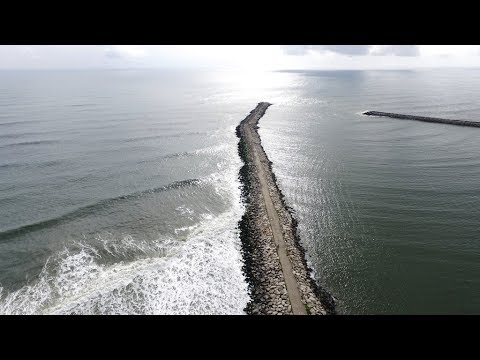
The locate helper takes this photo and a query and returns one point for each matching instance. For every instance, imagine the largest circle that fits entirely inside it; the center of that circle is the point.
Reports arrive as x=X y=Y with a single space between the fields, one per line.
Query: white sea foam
x=185 y=229
x=197 y=274
x=184 y=210
x=215 y=149
x=361 y=112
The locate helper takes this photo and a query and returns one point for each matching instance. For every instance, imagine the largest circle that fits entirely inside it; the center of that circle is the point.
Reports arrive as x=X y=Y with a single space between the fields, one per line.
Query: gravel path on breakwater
x=275 y=267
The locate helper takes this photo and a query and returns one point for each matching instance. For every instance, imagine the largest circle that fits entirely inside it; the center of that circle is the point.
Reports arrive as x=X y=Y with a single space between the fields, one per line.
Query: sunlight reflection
x=257 y=84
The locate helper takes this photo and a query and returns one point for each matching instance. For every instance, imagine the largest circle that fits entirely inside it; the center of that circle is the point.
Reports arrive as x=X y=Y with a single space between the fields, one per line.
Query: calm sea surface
x=119 y=190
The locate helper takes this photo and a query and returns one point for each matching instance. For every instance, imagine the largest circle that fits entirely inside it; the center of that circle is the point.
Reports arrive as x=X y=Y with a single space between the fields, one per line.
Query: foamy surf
x=201 y=275
x=197 y=271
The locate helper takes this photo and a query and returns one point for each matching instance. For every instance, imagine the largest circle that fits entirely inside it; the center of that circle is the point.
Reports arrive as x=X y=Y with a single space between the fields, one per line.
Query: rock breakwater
x=275 y=267
x=423 y=118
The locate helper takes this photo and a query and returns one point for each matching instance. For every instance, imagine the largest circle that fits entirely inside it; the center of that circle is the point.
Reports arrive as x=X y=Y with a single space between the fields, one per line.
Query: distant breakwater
x=423 y=118
x=279 y=278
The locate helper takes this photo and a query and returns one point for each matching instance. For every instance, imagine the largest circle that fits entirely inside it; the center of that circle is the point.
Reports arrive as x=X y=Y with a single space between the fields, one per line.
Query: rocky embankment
x=275 y=266
x=423 y=118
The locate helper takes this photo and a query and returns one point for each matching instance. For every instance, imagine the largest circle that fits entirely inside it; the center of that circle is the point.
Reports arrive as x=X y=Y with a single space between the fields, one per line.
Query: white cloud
x=296 y=49
x=252 y=57
x=353 y=50
x=340 y=49
x=396 y=50
x=125 y=51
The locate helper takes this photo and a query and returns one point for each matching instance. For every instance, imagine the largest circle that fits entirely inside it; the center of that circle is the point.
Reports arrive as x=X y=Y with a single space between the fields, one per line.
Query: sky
x=249 y=57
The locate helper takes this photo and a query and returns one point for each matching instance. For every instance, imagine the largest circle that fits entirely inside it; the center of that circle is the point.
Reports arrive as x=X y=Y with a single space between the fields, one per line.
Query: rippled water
x=119 y=190
x=119 y=193
x=388 y=209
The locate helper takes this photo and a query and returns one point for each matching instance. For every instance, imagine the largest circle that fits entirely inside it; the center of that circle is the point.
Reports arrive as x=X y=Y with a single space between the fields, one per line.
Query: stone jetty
x=279 y=278
x=423 y=118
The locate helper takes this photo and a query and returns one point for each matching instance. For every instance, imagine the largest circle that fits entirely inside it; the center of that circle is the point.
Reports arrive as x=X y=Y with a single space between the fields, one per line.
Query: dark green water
x=119 y=193
x=388 y=209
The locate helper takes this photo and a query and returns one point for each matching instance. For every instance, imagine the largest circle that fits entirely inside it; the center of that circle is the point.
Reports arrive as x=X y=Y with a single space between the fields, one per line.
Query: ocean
x=119 y=190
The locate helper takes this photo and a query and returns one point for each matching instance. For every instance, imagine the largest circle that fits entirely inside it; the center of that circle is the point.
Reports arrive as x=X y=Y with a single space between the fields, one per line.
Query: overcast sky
x=252 y=57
